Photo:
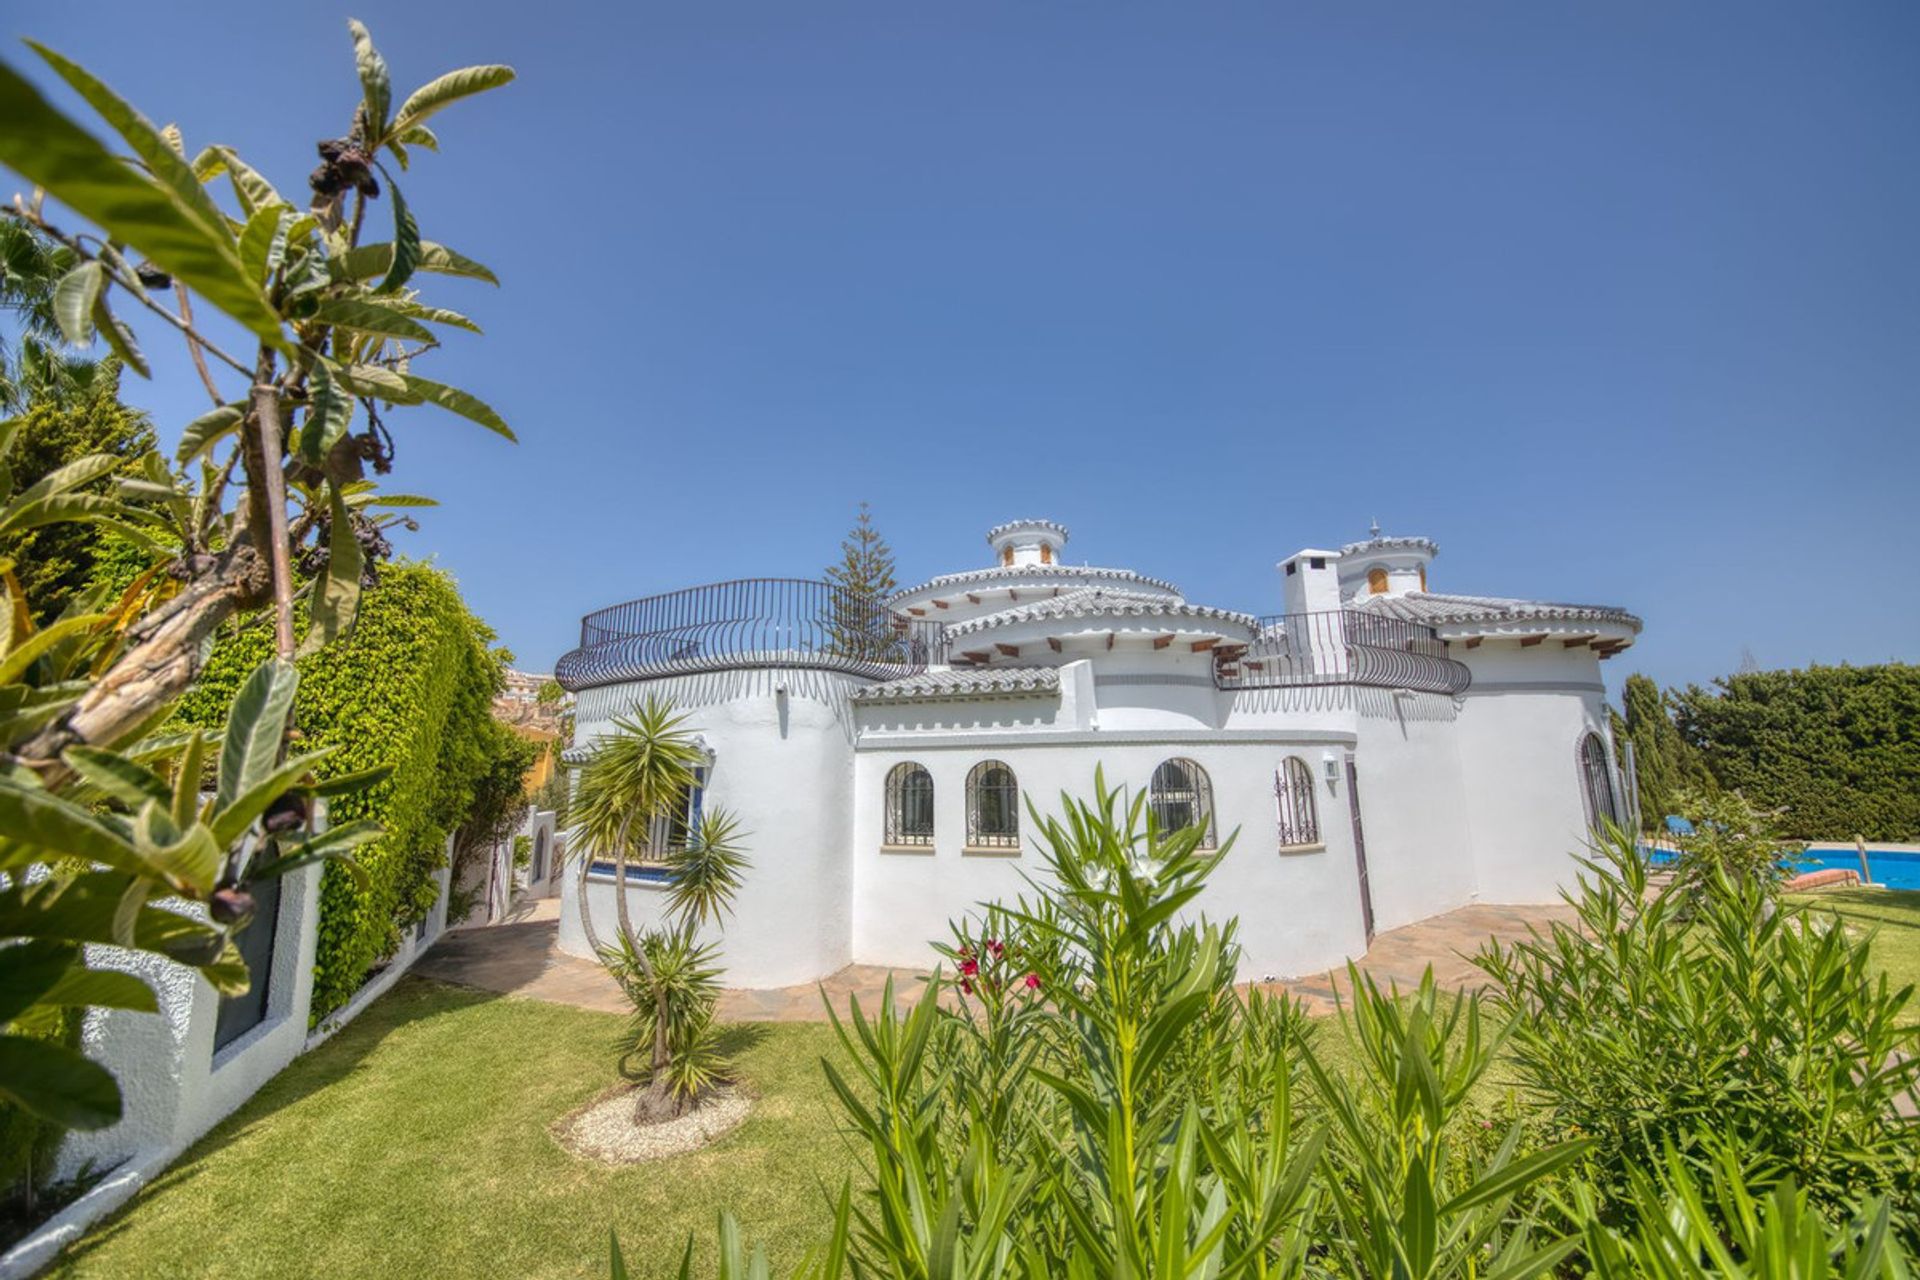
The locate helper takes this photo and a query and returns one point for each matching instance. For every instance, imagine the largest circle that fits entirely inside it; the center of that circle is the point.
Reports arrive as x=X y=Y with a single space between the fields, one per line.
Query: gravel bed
x=604 y=1130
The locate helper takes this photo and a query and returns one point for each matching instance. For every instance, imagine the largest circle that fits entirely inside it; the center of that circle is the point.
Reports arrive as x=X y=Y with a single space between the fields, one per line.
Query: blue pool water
x=1894 y=869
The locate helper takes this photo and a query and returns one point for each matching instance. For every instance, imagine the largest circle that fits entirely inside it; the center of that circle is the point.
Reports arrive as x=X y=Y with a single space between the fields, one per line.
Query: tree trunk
x=164 y=659
x=261 y=449
x=653 y=1103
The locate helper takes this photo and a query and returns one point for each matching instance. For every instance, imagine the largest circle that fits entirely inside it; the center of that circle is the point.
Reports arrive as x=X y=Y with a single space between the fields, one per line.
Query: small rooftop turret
x=1385 y=566
x=1023 y=542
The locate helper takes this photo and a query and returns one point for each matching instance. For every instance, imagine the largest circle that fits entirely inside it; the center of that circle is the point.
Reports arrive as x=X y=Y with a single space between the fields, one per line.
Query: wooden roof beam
x=1527 y=642
x=1053 y=643
x=1577 y=642
x=1161 y=642
x=941 y=604
x=1473 y=642
x=978 y=656
x=1201 y=646
x=1011 y=650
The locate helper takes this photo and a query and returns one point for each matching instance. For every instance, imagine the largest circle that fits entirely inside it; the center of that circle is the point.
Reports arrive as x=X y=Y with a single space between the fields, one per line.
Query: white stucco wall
x=1299 y=909
x=782 y=748
x=1413 y=806
x=173 y=1086
x=1519 y=730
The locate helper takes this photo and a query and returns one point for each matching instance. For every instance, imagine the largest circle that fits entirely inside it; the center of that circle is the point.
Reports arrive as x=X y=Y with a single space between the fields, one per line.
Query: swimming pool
x=1896 y=869
x=1892 y=868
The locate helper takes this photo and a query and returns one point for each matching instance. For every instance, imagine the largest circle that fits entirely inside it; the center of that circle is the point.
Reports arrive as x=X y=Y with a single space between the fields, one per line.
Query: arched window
x=1596 y=782
x=1006 y=554
x=539 y=856
x=1181 y=796
x=909 y=806
x=1046 y=553
x=1293 y=803
x=1376 y=581
x=993 y=807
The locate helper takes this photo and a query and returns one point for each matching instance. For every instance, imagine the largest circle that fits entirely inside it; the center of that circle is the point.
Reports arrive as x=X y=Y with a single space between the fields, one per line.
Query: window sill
x=923 y=850
x=990 y=851
x=1319 y=846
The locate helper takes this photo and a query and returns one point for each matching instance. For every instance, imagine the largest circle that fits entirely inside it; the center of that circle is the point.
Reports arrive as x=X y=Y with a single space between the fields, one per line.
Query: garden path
x=520 y=957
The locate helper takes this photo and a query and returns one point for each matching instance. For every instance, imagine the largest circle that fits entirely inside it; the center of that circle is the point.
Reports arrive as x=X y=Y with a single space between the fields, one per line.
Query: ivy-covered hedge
x=410 y=688
x=1837 y=749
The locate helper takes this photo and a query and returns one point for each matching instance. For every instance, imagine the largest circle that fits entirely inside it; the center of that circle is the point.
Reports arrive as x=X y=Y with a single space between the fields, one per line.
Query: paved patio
x=519 y=957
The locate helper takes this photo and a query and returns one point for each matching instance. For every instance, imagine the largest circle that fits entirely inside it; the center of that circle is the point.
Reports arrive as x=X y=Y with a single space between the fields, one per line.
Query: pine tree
x=857 y=617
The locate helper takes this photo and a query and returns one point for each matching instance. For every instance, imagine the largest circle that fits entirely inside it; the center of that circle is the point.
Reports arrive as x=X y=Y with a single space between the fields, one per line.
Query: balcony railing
x=795 y=622
x=750 y=622
x=1340 y=646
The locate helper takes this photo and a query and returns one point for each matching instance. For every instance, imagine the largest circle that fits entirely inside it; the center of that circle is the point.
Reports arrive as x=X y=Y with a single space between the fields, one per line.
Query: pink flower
x=1033 y=982
x=969 y=967
x=966 y=986
x=994 y=948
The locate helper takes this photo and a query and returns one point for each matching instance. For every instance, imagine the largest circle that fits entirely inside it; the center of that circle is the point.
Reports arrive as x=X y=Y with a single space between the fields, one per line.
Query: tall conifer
x=857 y=618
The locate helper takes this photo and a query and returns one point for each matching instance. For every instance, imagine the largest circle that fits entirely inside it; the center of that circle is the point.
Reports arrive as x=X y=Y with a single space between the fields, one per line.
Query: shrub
x=639 y=775
x=1836 y=749
x=1706 y=1014
x=1130 y=1113
x=1730 y=838
x=411 y=689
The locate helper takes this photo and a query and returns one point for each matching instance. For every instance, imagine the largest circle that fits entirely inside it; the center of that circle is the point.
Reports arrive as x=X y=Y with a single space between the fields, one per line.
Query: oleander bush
x=1708 y=1019
x=410 y=689
x=1091 y=1095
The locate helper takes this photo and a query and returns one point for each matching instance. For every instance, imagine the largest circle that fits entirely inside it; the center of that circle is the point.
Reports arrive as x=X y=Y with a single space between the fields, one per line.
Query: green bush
x=1707 y=1018
x=28 y=1143
x=1093 y=1096
x=54 y=561
x=1834 y=749
x=411 y=688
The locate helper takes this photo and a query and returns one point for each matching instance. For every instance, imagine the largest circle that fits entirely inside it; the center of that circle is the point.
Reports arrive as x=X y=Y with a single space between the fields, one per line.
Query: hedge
x=1836 y=749
x=410 y=688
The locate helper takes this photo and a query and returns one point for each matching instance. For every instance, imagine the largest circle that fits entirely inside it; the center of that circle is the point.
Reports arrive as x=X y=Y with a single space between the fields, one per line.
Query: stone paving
x=519 y=957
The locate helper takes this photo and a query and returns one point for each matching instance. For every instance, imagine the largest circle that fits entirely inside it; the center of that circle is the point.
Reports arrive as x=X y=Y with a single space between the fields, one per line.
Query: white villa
x=1385 y=752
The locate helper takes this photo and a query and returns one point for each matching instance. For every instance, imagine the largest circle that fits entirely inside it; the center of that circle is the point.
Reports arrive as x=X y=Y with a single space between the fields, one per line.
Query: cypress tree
x=1664 y=763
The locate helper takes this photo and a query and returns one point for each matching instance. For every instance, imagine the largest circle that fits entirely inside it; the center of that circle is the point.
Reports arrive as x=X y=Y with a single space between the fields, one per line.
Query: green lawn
x=415 y=1144
x=1894 y=913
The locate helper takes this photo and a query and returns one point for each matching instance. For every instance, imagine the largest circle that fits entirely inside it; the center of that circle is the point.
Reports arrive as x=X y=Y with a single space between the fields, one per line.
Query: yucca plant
x=634 y=777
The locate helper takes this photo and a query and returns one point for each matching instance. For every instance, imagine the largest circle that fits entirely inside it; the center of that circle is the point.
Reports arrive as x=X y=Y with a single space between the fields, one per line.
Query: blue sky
x=1619 y=303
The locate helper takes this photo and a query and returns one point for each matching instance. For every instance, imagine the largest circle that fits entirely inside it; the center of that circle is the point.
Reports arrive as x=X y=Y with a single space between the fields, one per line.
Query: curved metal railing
x=750 y=622
x=797 y=622
x=1340 y=646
